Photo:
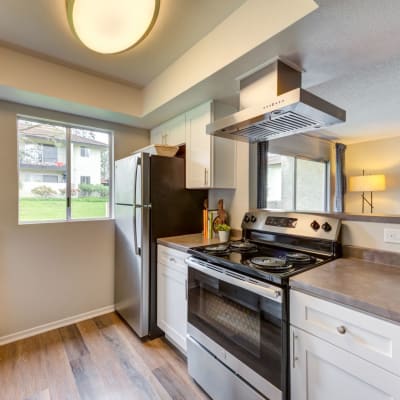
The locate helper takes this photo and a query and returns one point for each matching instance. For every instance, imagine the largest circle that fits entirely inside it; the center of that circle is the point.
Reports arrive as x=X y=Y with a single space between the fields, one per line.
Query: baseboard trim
x=13 y=337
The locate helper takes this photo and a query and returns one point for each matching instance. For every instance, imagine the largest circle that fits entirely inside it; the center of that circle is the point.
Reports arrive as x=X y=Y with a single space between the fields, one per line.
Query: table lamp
x=367 y=183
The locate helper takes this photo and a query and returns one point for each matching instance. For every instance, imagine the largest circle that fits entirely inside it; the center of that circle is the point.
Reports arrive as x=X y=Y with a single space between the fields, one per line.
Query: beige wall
x=57 y=270
x=368 y=234
x=376 y=157
x=236 y=202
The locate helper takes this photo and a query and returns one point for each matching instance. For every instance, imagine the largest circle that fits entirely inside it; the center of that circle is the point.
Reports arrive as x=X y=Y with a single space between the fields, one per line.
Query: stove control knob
x=246 y=219
x=253 y=219
x=326 y=227
x=315 y=225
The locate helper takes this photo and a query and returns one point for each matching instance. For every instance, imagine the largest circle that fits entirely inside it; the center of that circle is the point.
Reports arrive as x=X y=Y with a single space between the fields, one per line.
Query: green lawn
x=54 y=209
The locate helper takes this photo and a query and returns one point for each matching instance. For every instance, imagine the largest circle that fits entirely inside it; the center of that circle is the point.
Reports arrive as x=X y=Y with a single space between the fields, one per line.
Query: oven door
x=241 y=315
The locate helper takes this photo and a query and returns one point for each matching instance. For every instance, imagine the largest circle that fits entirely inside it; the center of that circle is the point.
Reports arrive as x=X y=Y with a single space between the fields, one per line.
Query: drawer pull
x=341 y=329
x=172 y=259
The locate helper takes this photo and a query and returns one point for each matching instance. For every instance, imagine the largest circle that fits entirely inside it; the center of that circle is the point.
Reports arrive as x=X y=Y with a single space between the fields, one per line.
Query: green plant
x=87 y=189
x=43 y=192
x=222 y=227
x=102 y=190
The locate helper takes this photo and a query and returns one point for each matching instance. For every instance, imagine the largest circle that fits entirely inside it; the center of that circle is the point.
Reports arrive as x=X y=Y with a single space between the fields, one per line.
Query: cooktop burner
x=235 y=246
x=217 y=249
x=299 y=258
x=261 y=260
x=242 y=245
x=269 y=263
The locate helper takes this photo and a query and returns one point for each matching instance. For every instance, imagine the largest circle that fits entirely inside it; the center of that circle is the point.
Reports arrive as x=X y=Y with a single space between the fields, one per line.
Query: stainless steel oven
x=238 y=316
x=237 y=322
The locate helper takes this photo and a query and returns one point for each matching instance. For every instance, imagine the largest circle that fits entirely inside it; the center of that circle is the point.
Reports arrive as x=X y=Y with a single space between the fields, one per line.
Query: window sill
x=65 y=221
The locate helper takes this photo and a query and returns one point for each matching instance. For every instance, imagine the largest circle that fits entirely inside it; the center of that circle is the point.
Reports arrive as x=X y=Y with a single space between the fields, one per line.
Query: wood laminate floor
x=97 y=359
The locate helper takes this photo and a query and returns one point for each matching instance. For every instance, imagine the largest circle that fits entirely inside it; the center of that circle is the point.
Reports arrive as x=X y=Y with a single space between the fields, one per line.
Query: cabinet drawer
x=321 y=371
x=169 y=256
x=368 y=337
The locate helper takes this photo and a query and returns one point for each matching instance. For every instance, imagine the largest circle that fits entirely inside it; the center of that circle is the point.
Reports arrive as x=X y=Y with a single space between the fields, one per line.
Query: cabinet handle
x=172 y=259
x=205 y=176
x=186 y=289
x=294 y=358
x=341 y=329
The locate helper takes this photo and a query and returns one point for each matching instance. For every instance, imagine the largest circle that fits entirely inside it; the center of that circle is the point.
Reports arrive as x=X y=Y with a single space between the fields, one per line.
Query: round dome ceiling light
x=111 y=26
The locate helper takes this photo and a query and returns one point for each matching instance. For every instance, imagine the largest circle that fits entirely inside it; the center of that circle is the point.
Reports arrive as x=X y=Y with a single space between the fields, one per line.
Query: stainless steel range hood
x=273 y=105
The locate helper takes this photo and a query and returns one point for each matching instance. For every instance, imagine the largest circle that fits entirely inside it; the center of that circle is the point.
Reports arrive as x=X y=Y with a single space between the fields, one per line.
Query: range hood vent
x=291 y=109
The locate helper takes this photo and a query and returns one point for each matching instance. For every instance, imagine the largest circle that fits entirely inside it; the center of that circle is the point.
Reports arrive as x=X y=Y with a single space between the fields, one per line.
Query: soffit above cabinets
x=347 y=50
x=41 y=26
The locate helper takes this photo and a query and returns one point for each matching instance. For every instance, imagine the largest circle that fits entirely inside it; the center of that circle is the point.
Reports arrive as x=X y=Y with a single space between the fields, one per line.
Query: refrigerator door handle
x=137 y=249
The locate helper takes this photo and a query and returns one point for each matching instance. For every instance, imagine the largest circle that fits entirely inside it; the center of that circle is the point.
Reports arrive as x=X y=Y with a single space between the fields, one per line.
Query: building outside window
x=58 y=180
x=295 y=183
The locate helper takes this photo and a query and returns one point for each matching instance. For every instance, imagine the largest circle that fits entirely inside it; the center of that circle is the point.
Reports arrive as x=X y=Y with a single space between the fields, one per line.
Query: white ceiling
x=41 y=26
x=348 y=49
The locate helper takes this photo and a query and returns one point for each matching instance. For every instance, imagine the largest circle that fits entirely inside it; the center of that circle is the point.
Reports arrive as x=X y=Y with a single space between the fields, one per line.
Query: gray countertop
x=370 y=287
x=184 y=242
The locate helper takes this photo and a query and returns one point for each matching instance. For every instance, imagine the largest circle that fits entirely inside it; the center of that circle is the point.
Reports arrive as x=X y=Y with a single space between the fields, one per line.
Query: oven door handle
x=264 y=290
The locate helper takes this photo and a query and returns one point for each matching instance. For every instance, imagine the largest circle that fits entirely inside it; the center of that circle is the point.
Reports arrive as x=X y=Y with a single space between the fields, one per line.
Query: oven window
x=245 y=324
x=239 y=323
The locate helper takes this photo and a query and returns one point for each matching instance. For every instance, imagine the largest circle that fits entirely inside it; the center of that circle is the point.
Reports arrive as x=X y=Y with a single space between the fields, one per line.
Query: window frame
x=295 y=178
x=68 y=126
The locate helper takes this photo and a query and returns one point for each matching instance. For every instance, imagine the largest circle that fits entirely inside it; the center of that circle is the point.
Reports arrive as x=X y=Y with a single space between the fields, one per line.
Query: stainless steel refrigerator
x=150 y=202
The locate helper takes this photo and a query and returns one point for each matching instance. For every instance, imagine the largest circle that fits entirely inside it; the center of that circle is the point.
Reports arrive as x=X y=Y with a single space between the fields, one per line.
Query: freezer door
x=127 y=174
x=131 y=280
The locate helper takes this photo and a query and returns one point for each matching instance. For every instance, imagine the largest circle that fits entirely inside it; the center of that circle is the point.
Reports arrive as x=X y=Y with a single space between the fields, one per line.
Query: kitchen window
x=295 y=183
x=58 y=181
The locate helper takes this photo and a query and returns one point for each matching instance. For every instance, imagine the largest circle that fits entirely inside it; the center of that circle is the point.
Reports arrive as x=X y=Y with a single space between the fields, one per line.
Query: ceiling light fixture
x=110 y=27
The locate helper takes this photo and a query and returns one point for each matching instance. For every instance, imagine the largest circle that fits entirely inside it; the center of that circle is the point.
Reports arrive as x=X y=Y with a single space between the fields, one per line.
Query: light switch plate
x=391 y=235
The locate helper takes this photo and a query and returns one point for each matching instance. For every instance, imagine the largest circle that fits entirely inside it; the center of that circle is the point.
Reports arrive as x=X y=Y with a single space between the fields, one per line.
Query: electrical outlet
x=391 y=235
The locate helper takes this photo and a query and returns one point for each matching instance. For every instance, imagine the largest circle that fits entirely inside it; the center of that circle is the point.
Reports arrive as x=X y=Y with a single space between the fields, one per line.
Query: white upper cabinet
x=198 y=148
x=171 y=132
x=157 y=135
x=210 y=160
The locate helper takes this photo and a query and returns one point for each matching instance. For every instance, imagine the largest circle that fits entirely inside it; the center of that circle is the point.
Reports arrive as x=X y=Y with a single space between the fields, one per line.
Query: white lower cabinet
x=323 y=364
x=321 y=371
x=172 y=295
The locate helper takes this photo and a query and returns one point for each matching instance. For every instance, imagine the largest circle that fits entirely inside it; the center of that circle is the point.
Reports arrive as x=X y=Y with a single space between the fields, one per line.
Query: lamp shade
x=367 y=183
x=110 y=27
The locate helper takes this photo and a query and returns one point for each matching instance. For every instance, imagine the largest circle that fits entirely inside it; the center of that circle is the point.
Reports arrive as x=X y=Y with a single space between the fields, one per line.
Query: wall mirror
x=301 y=176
